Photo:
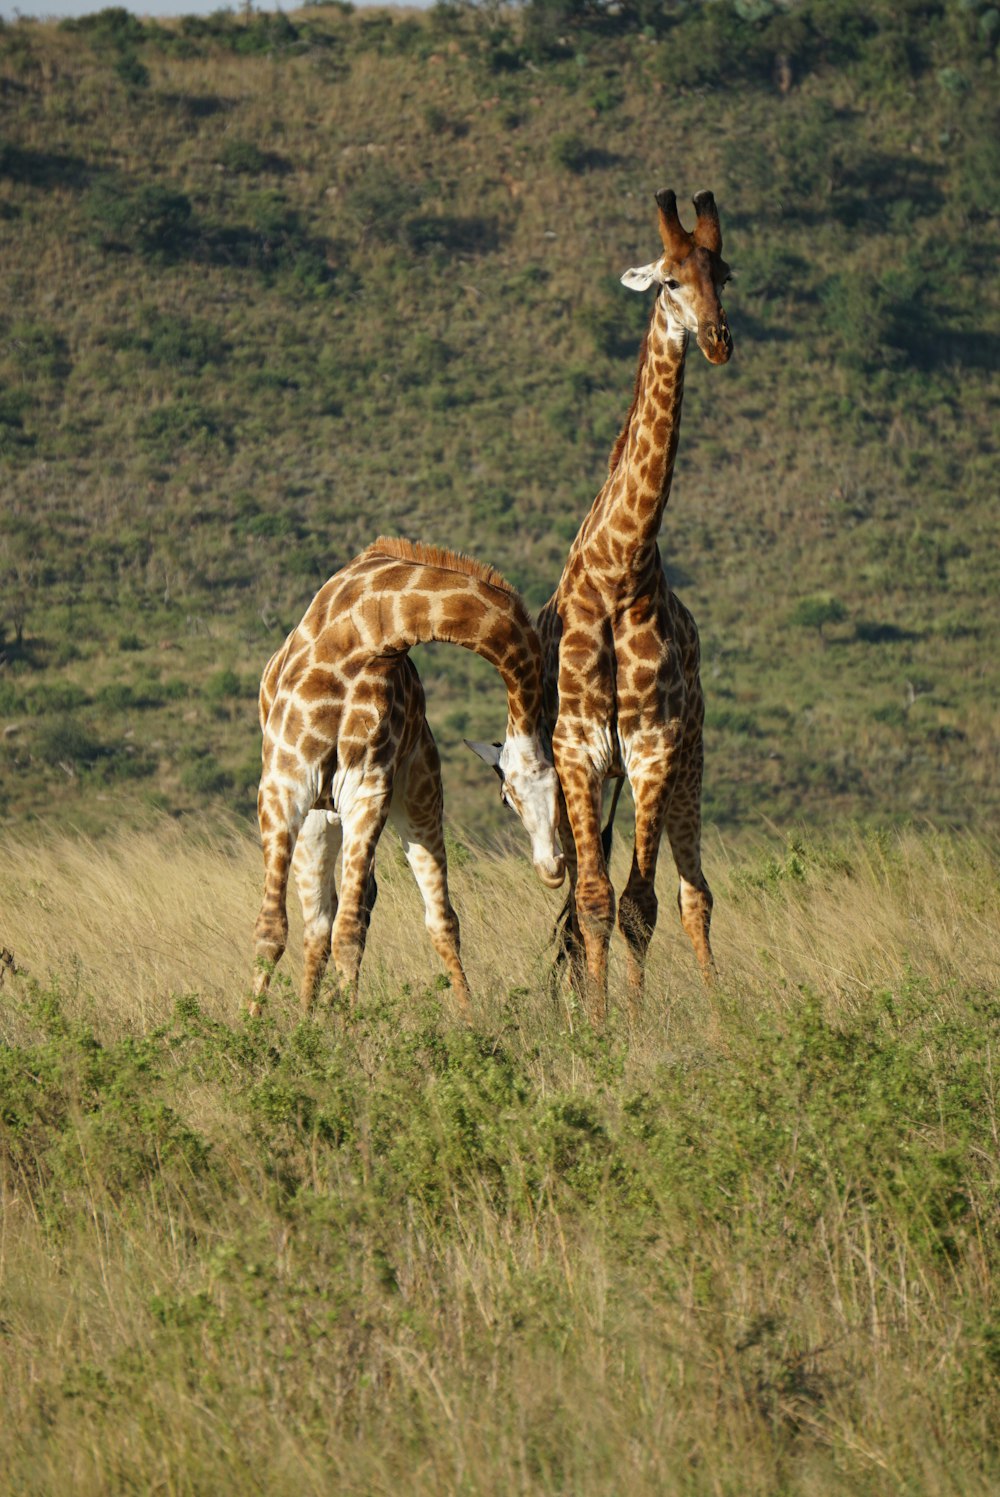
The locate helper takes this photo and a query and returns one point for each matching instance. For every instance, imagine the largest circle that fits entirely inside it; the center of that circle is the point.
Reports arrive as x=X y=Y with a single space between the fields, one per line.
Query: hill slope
x=277 y=284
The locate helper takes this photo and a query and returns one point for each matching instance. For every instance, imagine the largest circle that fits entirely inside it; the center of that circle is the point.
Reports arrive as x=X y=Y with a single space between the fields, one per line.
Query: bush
x=112 y=27
x=223 y=686
x=150 y=219
x=67 y=741
x=55 y=696
x=205 y=776
x=182 y=422
x=381 y=205
x=133 y=73
x=242 y=156
x=13 y=404
x=181 y=343
x=570 y=150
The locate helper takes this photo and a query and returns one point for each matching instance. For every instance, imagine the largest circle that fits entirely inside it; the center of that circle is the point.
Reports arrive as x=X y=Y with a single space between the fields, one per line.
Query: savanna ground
x=272 y=285
x=746 y=1245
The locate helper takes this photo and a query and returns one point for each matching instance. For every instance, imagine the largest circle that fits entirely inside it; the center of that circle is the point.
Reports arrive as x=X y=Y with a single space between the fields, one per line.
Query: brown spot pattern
x=341 y=697
x=621 y=673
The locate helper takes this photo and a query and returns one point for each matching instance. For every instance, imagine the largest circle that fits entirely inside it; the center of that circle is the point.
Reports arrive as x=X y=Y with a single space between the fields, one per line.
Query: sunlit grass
x=745 y=1245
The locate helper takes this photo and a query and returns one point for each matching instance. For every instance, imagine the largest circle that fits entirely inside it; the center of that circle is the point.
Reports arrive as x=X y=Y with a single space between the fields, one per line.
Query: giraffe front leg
x=418 y=815
x=595 y=898
x=569 y=942
x=314 y=864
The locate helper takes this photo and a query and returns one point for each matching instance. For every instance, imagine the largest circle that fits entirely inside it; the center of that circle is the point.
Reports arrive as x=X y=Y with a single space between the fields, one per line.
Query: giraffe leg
x=637 y=908
x=569 y=941
x=280 y=814
x=362 y=824
x=694 y=897
x=418 y=815
x=313 y=864
x=595 y=898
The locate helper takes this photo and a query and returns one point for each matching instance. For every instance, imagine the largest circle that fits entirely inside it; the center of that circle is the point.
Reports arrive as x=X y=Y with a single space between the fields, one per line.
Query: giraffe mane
x=619 y=447
x=437 y=556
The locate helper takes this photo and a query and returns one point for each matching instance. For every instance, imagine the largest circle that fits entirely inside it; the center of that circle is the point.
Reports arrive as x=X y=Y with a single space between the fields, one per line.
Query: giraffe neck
x=442 y=601
x=629 y=510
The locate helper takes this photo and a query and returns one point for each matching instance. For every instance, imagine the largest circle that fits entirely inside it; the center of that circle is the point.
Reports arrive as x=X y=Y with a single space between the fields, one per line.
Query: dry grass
x=147 y=915
x=704 y=1256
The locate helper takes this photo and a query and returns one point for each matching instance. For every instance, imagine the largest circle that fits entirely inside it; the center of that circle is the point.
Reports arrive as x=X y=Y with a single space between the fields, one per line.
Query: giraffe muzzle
x=551 y=871
x=715 y=340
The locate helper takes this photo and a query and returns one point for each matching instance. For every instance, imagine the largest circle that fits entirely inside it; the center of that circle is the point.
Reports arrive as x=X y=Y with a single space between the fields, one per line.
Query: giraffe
x=347 y=746
x=622 y=690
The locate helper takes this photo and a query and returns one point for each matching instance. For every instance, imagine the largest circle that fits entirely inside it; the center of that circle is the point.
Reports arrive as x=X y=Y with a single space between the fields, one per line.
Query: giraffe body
x=622 y=685
x=347 y=747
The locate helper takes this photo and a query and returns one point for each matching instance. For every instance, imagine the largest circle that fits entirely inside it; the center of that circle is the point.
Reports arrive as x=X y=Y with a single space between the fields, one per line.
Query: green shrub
x=242 y=156
x=39 y=351
x=570 y=151
x=12 y=701
x=13 y=404
x=152 y=220
x=382 y=203
x=56 y=696
x=264 y=31
x=224 y=685
x=114 y=27
x=133 y=73
x=182 y=343
x=205 y=776
x=67 y=741
x=184 y=421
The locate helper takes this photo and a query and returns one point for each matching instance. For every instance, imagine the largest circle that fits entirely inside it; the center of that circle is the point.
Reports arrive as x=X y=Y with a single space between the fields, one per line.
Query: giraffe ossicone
x=347 y=747
x=622 y=680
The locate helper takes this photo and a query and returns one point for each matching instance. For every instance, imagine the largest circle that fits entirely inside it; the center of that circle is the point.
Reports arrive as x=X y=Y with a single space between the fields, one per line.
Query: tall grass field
x=746 y=1245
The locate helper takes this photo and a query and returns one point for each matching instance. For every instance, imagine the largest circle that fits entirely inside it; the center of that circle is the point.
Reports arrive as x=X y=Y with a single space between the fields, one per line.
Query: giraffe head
x=529 y=786
x=690 y=274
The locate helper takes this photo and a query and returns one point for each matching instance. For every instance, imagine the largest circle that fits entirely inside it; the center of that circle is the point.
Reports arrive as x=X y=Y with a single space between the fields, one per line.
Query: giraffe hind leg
x=694 y=897
x=271 y=928
x=362 y=823
x=281 y=809
x=418 y=816
x=314 y=864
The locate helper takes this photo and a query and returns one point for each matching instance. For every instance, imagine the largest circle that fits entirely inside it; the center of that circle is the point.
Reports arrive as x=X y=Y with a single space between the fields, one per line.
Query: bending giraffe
x=347 y=746
x=622 y=689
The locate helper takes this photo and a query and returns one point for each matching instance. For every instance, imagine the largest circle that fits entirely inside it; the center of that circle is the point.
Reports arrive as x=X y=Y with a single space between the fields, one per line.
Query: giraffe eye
x=672 y=285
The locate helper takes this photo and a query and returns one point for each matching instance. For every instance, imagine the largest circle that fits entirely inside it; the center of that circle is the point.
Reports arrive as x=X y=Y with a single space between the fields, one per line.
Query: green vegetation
x=277 y=283
x=746 y=1246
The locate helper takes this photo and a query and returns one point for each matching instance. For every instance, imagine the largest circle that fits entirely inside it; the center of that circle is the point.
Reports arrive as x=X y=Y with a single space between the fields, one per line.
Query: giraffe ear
x=488 y=752
x=641 y=277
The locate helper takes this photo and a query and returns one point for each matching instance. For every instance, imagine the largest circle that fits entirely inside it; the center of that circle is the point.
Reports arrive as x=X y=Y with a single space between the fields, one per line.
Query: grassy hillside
x=274 y=284
x=746 y=1247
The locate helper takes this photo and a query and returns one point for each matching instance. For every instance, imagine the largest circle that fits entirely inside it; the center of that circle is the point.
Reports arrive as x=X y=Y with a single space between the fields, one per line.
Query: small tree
x=816 y=613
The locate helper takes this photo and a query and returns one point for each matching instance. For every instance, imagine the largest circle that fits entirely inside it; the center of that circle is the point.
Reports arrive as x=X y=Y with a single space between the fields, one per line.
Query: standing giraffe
x=347 y=746
x=622 y=688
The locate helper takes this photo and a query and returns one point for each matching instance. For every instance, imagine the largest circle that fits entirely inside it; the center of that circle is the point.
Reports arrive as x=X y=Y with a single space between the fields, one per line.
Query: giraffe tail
x=609 y=828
